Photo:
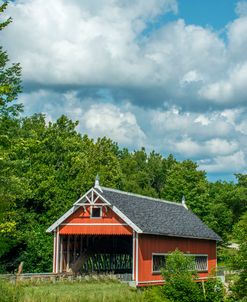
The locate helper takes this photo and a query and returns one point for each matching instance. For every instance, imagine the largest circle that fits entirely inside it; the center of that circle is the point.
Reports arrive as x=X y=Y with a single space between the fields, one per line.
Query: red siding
x=80 y=222
x=108 y=216
x=149 y=244
x=96 y=230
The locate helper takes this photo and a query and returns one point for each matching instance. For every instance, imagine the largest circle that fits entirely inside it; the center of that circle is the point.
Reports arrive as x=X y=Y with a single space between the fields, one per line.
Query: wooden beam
x=137 y=250
x=95 y=200
x=61 y=255
x=54 y=252
x=57 y=251
x=74 y=252
x=88 y=200
x=133 y=256
x=68 y=254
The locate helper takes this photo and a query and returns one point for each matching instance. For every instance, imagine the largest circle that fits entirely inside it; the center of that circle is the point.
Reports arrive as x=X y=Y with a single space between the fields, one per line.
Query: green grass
x=90 y=291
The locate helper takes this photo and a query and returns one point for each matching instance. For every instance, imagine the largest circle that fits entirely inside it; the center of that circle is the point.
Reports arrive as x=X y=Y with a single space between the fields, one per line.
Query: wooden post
x=203 y=289
x=74 y=254
x=68 y=254
x=133 y=256
x=137 y=250
x=61 y=255
x=57 y=251
x=54 y=251
x=20 y=268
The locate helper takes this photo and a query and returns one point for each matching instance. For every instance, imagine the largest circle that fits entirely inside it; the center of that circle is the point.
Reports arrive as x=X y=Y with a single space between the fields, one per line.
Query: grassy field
x=91 y=291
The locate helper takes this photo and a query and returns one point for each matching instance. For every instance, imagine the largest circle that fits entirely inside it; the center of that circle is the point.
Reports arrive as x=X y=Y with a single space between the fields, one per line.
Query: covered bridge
x=108 y=230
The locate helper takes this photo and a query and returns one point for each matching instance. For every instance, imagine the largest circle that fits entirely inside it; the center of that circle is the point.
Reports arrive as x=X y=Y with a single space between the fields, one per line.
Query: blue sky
x=215 y=13
x=164 y=74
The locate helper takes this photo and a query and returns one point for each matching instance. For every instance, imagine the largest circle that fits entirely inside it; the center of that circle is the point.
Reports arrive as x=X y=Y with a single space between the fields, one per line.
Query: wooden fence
x=52 y=277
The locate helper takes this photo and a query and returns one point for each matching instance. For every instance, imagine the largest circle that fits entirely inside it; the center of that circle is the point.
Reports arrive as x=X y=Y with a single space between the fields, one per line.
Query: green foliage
x=214 y=290
x=48 y=163
x=10 y=79
x=10 y=86
x=2 y=9
x=9 y=292
x=38 y=250
x=154 y=294
x=225 y=255
x=179 y=275
x=46 y=167
x=83 y=291
x=226 y=203
x=239 y=262
x=180 y=282
x=184 y=179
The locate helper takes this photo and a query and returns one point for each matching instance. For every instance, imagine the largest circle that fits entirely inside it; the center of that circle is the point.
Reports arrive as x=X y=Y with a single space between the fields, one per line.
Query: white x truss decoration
x=92 y=199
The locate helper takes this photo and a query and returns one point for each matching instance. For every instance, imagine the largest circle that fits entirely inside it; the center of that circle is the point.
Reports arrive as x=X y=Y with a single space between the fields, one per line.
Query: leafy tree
x=10 y=78
x=38 y=250
x=214 y=290
x=179 y=275
x=2 y=9
x=183 y=179
x=239 y=262
x=135 y=174
x=56 y=165
x=242 y=180
x=227 y=202
x=10 y=86
x=180 y=281
x=220 y=219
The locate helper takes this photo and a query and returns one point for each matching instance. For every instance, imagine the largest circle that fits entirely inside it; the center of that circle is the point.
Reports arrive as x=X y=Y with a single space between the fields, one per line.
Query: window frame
x=186 y=254
x=157 y=254
x=91 y=212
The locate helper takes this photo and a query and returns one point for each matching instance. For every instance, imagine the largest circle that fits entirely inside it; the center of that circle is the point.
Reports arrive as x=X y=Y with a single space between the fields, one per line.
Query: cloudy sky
x=164 y=74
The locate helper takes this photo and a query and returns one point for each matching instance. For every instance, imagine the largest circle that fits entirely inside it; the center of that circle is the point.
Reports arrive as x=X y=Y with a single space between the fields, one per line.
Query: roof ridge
x=142 y=196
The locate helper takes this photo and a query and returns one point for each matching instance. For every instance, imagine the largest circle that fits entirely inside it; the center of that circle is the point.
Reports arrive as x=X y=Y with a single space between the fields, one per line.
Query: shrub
x=214 y=290
x=239 y=261
x=180 y=285
x=179 y=275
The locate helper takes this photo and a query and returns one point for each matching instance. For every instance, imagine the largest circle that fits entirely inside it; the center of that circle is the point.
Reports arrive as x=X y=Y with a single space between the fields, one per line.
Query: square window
x=96 y=212
x=201 y=263
x=159 y=262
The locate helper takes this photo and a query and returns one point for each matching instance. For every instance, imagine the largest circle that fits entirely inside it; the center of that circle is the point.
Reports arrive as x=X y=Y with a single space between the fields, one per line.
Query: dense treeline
x=45 y=167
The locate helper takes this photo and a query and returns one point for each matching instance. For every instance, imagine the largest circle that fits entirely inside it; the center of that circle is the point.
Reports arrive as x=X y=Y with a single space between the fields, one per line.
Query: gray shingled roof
x=155 y=216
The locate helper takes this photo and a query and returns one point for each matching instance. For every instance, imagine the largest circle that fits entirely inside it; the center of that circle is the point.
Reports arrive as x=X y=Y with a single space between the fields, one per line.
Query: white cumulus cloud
x=108 y=120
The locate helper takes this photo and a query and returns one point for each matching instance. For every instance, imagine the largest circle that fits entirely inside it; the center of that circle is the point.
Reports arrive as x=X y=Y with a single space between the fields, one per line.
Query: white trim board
x=159 y=281
x=61 y=219
x=133 y=255
x=151 y=281
x=92 y=224
x=137 y=259
x=126 y=219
